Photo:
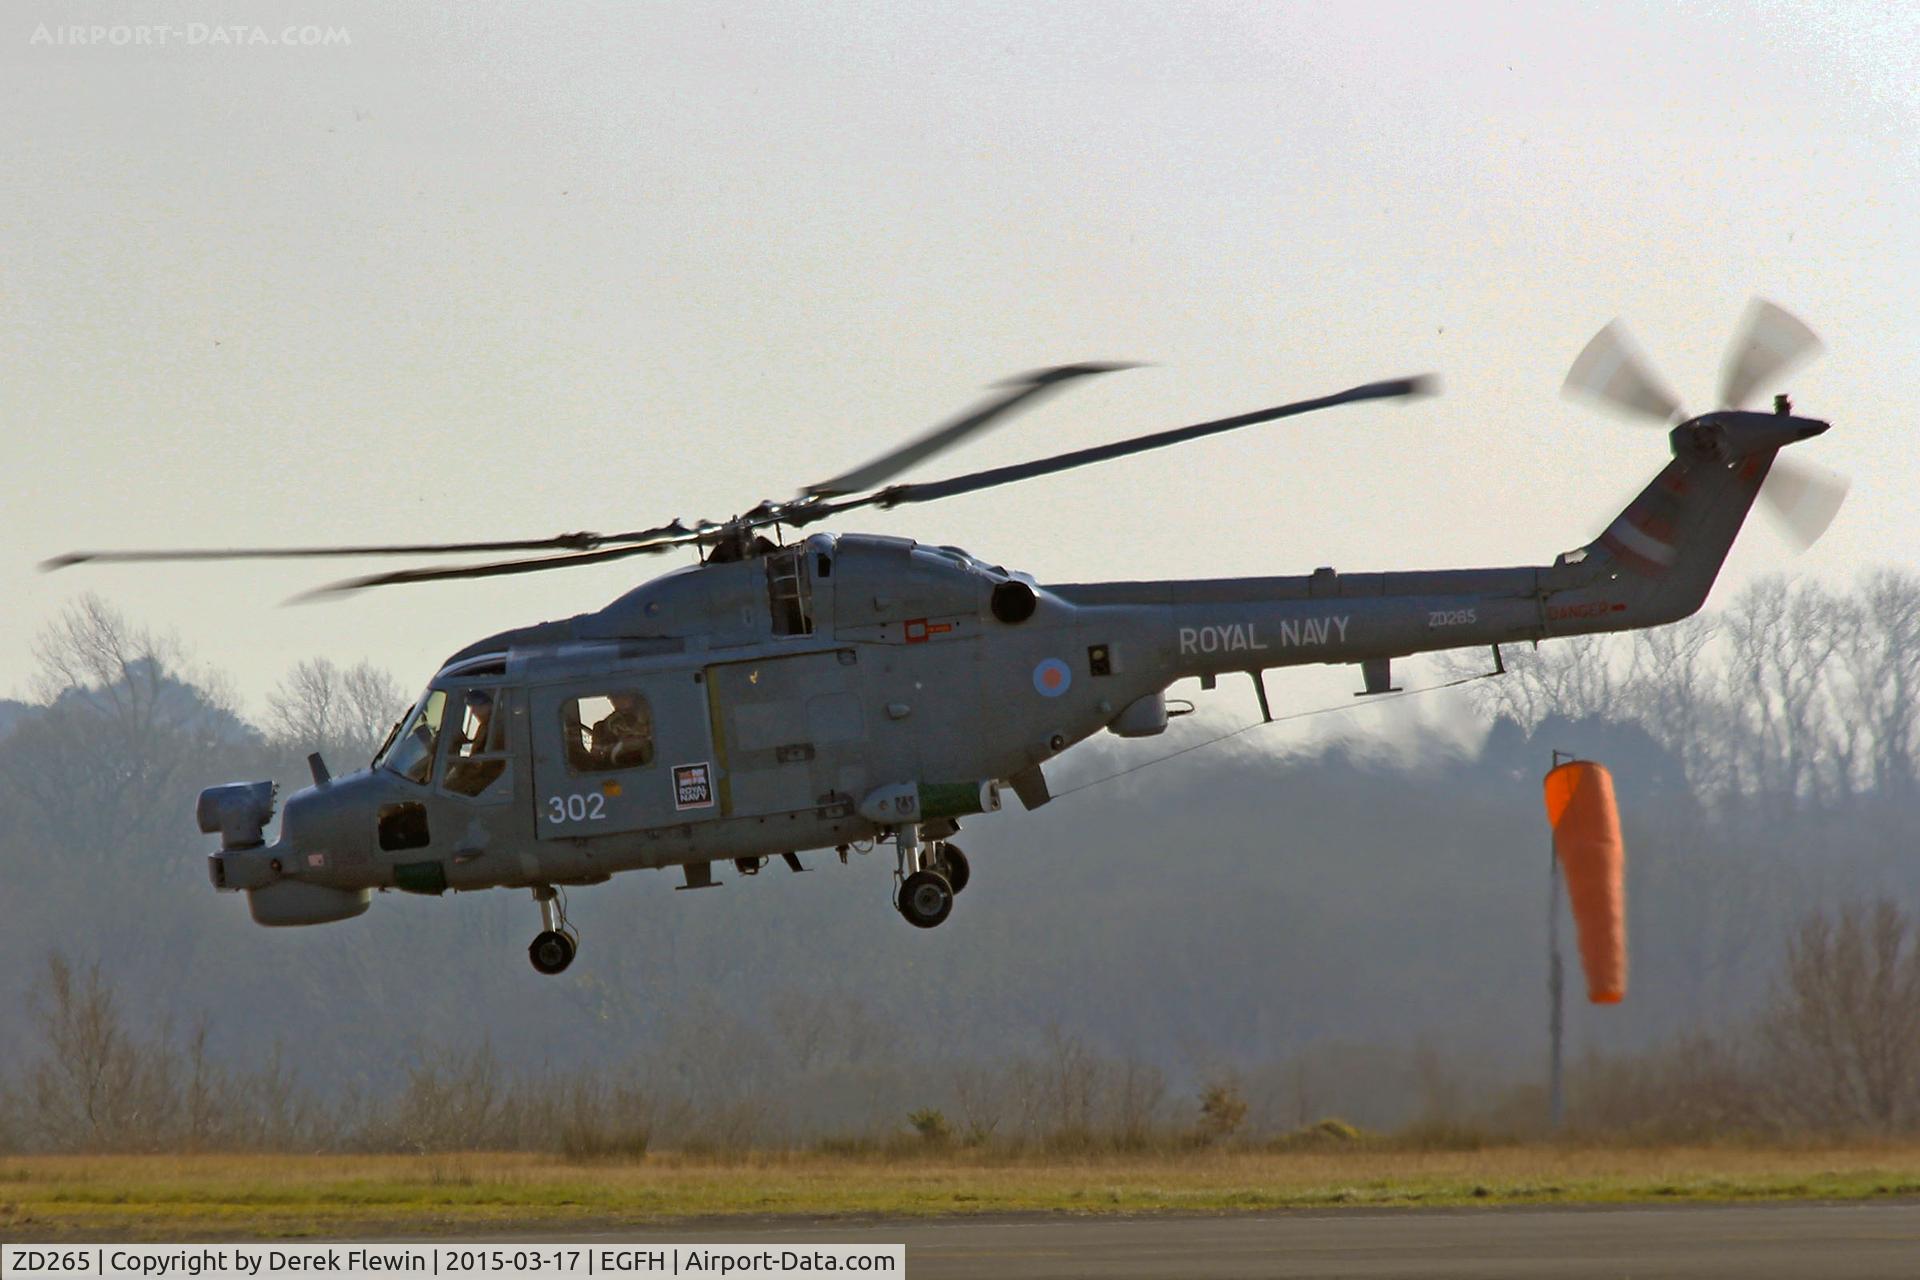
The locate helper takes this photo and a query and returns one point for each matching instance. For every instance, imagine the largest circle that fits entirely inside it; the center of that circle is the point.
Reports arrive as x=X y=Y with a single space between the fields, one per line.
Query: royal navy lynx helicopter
x=837 y=691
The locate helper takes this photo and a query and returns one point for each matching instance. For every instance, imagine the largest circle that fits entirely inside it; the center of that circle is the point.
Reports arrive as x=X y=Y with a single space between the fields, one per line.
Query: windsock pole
x=1556 y=1097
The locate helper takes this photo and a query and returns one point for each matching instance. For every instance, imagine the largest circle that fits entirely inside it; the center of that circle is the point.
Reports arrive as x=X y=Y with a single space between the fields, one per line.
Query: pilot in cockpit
x=468 y=775
x=477 y=723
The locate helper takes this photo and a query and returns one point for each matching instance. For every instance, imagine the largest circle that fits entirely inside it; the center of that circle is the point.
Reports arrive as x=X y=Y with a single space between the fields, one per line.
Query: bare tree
x=451 y=1101
x=1674 y=687
x=1794 y=695
x=1843 y=1030
x=77 y=1084
x=1025 y=1090
x=1781 y=639
x=1576 y=677
x=982 y=1096
x=1138 y=1089
x=1879 y=653
x=320 y=706
x=97 y=1086
x=1072 y=1076
x=126 y=729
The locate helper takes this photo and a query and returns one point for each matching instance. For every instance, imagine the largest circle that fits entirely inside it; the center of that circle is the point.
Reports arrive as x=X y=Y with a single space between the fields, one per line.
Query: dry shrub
x=931 y=1125
x=597 y=1120
x=1835 y=1054
x=1330 y=1134
x=1222 y=1109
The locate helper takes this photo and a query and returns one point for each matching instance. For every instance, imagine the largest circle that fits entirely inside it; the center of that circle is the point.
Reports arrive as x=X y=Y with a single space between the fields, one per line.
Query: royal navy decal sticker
x=1242 y=637
x=693 y=786
x=1052 y=678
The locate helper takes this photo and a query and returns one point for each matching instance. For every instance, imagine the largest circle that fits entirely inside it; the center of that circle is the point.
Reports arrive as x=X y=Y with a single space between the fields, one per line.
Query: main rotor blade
x=1803 y=498
x=568 y=541
x=1770 y=342
x=497 y=569
x=1611 y=369
x=1027 y=389
x=928 y=492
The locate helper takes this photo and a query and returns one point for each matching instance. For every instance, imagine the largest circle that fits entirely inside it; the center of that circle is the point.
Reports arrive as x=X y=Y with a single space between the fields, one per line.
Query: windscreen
x=411 y=752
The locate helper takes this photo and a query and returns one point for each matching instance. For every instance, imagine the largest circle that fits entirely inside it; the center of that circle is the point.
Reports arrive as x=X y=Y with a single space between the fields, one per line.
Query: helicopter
x=845 y=690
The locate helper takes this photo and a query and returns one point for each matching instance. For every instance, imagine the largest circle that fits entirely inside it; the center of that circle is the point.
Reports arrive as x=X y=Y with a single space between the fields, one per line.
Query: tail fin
x=1657 y=561
x=1660 y=556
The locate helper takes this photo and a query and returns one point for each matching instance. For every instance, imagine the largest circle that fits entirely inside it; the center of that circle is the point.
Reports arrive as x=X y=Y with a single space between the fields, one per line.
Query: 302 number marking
x=578 y=807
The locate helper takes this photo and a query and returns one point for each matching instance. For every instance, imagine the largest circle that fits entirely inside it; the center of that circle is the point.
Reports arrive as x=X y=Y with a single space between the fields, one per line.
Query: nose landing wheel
x=554 y=947
x=551 y=951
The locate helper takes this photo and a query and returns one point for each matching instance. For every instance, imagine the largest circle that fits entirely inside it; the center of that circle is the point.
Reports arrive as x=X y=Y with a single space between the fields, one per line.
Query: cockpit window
x=476 y=759
x=411 y=752
x=481 y=732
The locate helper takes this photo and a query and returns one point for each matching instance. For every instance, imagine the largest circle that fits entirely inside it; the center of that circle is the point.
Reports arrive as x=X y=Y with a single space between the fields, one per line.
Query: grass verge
x=222 y=1196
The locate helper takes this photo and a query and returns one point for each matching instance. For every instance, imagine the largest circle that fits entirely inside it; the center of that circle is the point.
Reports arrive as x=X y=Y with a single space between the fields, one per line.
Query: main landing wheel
x=952 y=864
x=551 y=952
x=926 y=899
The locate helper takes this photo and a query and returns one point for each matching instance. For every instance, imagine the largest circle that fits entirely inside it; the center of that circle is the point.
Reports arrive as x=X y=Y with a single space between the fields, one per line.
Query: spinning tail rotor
x=1802 y=498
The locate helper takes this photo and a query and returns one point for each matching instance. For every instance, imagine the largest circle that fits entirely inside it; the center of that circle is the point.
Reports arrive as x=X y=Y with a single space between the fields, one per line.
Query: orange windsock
x=1586 y=838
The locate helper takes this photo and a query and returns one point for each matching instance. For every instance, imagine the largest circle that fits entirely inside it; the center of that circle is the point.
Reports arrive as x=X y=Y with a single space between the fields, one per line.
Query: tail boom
x=1655 y=563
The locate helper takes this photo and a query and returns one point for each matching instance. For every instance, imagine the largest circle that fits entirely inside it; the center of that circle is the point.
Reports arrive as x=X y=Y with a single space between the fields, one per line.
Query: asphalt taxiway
x=1691 y=1242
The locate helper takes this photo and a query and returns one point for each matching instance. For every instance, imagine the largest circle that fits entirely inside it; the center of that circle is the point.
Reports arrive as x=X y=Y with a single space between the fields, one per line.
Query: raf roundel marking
x=1052 y=678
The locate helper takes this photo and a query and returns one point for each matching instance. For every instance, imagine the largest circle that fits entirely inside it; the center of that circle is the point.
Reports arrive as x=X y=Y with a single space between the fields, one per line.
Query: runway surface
x=1690 y=1242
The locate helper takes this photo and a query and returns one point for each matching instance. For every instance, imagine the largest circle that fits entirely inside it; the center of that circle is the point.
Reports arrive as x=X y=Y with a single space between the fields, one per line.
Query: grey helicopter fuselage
x=853 y=688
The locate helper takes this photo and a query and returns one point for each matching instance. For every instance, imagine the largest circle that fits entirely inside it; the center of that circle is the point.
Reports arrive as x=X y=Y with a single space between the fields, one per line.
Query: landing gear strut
x=951 y=863
x=553 y=948
x=928 y=875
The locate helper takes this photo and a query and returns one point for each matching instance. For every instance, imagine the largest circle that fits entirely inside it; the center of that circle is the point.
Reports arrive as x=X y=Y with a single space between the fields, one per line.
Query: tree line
x=1834 y=1053
x=1797 y=698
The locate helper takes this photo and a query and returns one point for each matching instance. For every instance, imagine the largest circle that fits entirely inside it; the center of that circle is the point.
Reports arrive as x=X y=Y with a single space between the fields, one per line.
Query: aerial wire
x=1295 y=715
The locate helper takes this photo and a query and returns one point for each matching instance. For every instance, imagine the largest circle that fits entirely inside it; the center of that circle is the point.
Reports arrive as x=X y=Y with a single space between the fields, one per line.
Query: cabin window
x=410 y=753
x=603 y=731
x=476 y=758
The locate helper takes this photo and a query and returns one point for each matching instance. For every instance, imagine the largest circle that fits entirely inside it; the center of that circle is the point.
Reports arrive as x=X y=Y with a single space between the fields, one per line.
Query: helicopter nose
x=237 y=812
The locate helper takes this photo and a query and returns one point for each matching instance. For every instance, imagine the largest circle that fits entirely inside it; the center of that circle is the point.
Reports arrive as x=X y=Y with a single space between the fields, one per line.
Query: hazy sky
x=487 y=271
